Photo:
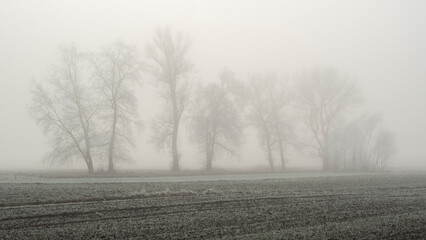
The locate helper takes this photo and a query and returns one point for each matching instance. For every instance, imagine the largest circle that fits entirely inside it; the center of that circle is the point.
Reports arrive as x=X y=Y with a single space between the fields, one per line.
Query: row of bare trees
x=88 y=108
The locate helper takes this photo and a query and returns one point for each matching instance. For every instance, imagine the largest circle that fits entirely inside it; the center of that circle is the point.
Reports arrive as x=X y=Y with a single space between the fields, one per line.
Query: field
x=374 y=206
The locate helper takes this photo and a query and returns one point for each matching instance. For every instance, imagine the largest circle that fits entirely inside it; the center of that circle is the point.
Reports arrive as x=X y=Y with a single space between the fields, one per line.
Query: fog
x=381 y=45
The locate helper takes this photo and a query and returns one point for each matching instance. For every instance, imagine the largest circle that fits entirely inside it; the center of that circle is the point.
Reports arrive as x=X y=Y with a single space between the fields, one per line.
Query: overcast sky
x=380 y=44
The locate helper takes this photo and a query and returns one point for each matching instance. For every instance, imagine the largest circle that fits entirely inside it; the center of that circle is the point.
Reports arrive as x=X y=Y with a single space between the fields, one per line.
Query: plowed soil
x=382 y=206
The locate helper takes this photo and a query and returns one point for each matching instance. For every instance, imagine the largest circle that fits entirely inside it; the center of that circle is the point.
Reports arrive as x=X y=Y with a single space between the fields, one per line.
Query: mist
x=199 y=119
x=378 y=45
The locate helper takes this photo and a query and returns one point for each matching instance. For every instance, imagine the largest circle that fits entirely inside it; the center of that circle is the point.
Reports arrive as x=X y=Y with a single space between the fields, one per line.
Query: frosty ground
x=309 y=206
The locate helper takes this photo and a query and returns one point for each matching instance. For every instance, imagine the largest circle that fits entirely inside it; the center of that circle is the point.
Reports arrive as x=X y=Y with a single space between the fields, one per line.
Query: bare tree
x=350 y=144
x=66 y=109
x=365 y=137
x=324 y=95
x=168 y=56
x=362 y=144
x=215 y=120
x=268 y=99
x=116 y=70
x=384 y=149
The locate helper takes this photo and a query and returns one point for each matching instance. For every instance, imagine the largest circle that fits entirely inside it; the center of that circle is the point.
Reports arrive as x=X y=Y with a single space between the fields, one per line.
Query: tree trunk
x=208 y=150
x=345 y=164
x=282 y=154
x=90 y=166
x=89 y=162
x=325 y=155
x=212 y=144
x=325 y=160
x=270 y=159
x=175 y=163
x=112 y=143
x=110 y=158
x=176 y=119
x=209 y=165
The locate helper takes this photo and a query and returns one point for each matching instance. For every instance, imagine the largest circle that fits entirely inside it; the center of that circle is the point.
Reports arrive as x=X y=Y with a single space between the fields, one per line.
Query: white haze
x=381 y=44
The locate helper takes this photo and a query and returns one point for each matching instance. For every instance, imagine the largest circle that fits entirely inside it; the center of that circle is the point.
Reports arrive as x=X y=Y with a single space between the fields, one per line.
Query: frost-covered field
x=316 y=205
x=35 y=178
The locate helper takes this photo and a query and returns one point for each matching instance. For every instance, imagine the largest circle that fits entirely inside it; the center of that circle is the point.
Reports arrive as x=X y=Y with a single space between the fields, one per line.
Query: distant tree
x=324 y=96
x=66 y=108
x=268 y=99
x=215 y=122
x=362 y=144
x=350 y=143
x=384 y=148
x=364 y=136
x=116 y=70
x=169 y=64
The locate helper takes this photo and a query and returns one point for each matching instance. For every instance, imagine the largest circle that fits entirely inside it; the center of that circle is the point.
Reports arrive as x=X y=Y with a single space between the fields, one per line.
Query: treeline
x=88 y=109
